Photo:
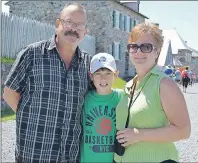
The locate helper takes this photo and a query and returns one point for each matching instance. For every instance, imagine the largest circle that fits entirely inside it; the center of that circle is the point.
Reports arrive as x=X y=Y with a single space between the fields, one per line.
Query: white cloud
x=5 y=8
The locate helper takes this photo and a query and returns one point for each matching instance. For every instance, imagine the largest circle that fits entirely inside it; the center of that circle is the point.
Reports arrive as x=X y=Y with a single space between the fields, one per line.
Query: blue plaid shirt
x=48 y=125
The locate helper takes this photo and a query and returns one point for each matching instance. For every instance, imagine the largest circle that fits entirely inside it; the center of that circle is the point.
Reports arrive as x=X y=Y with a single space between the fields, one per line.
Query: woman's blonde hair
x=144 y=28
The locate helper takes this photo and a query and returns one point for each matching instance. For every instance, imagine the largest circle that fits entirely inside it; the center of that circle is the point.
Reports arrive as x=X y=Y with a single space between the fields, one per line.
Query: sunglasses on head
x=145 y=48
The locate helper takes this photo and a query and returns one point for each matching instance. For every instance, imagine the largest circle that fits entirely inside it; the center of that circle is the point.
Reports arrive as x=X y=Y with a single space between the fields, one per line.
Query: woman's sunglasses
x=145 y=48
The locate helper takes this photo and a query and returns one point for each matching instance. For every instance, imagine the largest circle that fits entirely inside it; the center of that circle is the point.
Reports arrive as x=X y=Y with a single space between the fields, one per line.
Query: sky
x=5 y=8
x=181 y=15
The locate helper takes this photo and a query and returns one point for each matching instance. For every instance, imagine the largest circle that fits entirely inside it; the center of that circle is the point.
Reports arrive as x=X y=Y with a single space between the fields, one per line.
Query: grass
x=6 y=60
x=119 y=83
x=7 y=114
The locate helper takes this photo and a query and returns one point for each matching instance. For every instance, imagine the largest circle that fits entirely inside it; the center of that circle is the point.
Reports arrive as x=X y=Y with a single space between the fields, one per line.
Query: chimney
x=134 y=5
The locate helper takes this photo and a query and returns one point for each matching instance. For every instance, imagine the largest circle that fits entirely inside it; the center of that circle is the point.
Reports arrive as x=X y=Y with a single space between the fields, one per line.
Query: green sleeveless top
x=146 y=112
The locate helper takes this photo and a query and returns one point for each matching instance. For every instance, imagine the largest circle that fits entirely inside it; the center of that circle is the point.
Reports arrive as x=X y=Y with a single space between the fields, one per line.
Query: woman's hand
x=128 y=136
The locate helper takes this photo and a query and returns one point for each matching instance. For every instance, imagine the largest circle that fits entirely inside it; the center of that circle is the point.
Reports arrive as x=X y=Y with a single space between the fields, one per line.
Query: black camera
x=118 y=148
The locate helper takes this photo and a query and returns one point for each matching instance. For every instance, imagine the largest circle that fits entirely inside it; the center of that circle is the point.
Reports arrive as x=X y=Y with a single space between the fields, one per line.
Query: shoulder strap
x=130 y=102
x=131 y=99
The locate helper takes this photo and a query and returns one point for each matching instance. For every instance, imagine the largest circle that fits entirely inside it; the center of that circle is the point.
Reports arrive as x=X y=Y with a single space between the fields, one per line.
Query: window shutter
x=128 y=23
x=134 y=24
x=131 y=24
x=120 y=21
x=125 y=22
x=114 y=18
x=117 y=18
x=116 y=50
x=120 y=51
x=113 y=49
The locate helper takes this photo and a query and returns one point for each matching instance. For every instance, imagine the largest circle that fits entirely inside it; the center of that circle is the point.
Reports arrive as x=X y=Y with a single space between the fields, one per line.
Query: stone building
x=194 y=62
x=110 y=22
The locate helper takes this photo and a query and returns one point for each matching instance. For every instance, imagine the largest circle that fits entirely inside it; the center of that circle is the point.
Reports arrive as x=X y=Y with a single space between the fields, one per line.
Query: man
x=46 y=88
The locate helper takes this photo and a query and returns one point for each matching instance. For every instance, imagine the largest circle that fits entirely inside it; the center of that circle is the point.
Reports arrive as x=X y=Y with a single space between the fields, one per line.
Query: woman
x=158 y=114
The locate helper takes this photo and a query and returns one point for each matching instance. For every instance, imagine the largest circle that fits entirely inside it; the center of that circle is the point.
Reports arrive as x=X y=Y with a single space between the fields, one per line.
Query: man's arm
x=11 y=97
x=16 y=79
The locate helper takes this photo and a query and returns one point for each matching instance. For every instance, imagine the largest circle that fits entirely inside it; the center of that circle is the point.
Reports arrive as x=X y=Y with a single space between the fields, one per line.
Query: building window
x=128 y=24
x=116 y=19
x=193 y=61
x=116 y=50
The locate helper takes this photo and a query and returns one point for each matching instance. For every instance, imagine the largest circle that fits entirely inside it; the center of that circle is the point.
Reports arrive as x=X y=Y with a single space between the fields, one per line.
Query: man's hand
x=11 y=97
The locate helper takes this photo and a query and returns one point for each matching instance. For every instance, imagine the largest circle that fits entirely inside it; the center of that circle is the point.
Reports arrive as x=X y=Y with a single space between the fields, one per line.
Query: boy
x=99 y=111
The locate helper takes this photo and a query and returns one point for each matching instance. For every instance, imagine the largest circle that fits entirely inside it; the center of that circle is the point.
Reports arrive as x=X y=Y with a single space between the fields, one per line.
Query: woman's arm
x=174 y=105
x=175 y=108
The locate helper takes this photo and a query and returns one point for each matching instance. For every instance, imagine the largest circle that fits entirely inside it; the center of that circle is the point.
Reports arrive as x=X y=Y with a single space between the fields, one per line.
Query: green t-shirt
x=99 y=126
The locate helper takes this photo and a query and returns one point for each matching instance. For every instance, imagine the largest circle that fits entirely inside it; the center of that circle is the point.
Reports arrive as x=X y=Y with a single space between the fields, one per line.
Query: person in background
x=194 y=78
x=185 y=79
x=99 y=111
x=46 y=88
x=178 y=76
x=190 y=74
x=156 y=118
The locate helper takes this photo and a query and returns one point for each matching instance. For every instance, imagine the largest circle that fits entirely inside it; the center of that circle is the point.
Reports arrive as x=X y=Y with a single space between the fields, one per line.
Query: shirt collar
x=52 y=45
x=155 y=70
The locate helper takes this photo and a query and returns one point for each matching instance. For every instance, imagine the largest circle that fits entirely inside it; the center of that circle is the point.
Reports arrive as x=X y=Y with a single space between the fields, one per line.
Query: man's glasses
x=69 y=23
x=145 y=48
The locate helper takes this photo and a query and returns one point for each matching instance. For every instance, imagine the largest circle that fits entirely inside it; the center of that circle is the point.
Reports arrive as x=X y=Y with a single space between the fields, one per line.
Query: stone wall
x=5 y=68
x=100 y=22
x=194 y=64
x=184 y=56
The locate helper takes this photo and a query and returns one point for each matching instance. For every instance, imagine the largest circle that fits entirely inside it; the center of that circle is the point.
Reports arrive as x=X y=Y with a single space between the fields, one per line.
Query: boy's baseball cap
x=102 y=60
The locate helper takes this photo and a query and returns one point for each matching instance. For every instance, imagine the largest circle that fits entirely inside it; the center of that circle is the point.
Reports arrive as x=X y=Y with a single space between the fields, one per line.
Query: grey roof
x=164 y=52
x=176 y=41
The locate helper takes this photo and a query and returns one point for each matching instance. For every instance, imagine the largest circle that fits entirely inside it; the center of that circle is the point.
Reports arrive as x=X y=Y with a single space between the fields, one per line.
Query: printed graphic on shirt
x=100 y=129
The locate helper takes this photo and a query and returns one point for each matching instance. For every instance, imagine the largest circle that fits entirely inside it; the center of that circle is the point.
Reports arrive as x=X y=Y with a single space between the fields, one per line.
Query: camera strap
x=131 y=99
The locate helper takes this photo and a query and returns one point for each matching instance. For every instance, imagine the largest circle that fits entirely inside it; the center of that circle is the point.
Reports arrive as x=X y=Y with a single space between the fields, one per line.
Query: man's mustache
x=71 y=33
